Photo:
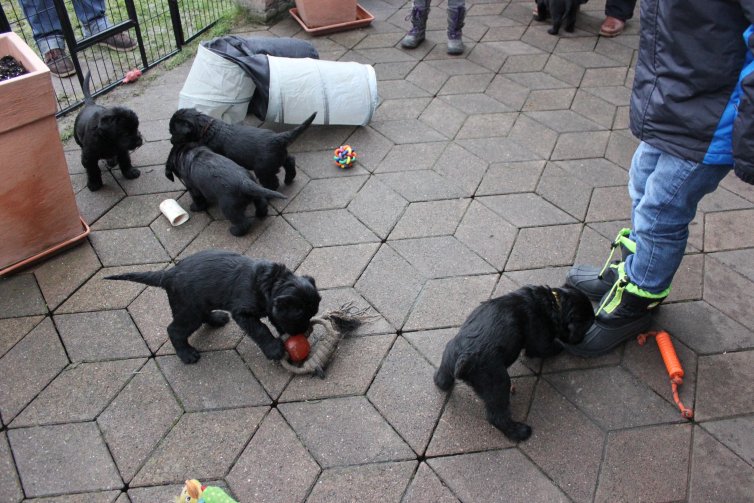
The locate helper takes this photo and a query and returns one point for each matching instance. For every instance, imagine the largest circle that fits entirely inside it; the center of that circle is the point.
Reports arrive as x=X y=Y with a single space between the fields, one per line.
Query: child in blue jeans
x=692 y=107
x=419 y=13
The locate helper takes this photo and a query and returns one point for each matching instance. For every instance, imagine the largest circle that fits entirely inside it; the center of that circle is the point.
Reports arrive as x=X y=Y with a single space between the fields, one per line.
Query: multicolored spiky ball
x=344 y=156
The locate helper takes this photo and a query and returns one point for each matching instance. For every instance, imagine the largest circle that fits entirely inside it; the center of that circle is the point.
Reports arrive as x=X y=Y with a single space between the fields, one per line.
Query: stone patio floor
x=477 y=174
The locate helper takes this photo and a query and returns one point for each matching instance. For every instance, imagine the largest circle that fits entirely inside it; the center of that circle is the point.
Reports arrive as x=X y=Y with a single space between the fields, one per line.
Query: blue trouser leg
x=665 y=191
x=45 y=24
x=620 y=9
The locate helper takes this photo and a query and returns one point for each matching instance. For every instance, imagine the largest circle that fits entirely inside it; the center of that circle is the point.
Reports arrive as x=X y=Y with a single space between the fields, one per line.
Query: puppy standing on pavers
x=212 y=178
x=105 y=133
x=257 y=149
x=489 y=341
x=563 y=13
x=212 y=280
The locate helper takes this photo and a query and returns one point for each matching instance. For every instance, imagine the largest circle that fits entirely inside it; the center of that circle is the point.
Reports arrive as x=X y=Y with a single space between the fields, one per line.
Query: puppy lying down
x=211 y=178
x=532 y=318
x=203 y=284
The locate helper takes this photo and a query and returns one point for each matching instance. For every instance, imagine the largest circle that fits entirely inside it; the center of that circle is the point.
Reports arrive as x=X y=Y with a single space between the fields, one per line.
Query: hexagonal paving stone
x=68 y=458
x=443 y=117
x=350 y=372
x=426 y=487
x=463 y=426
x=462 y=167
x=175 y=239
x=420 y=155
x=331 y=227
x=280 y=243
x=151 y=313
x=201 y=385
x=504 y=178
x=735 y=434
x=447 y=302
x=499 y=149
x=544 y=246
x=613 y=398
x=128 y=246
x=20 y=296
x=609 y=203
x=274 y=466
x=487 y=234
x=716 y=473
x=79 y=393
x=440 y=257
x=375 y=483
x=378 y=207
x=723 y=385
x=496 y=476
x=565 y=191
x=728 y=291
x=101 y=335
x=345 y=431
x=13 y=330
x=39 y=356
x=431 y=343
x=216 y=235
x=421 y=185
x=405 y=395
x=59 y=278
x=337 y=266
x=407 y=131
x=645 y=464
x=133 y=211
x=96 y=497
x=218 y=435
x=138 y=418
x=571 y=459
x=337 y=299
x=526 y=210
x=326 y=194
x=92 y=205
x=431 y=218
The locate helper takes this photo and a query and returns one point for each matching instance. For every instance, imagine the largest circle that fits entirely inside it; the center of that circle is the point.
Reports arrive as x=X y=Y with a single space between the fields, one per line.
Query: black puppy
x=212 y=178
x=563 y=13
x=250 y=289
x=493 y=335
x=105 y=133
x=257 y=149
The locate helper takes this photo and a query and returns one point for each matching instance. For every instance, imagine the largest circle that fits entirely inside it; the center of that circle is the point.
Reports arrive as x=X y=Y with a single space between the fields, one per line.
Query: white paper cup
x=173 y=212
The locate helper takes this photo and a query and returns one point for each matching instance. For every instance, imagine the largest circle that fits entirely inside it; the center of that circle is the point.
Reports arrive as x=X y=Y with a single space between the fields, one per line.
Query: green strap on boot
x=595 y=282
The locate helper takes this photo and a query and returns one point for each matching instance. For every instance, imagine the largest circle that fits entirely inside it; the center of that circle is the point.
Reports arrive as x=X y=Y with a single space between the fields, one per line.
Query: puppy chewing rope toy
x=672 y=364
x=336 y=324
x=344 y=156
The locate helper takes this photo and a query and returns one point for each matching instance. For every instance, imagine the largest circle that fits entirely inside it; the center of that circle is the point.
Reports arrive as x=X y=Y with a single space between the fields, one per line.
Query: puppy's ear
x=310 y=280
x=283 y=301
x=170 y=166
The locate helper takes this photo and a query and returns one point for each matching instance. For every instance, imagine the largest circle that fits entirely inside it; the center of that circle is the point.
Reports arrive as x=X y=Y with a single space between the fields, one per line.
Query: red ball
x=297 y=347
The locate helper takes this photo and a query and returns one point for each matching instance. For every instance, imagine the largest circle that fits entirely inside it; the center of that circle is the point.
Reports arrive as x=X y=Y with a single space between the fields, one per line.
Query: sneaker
x=59 y=63
x=120 y=42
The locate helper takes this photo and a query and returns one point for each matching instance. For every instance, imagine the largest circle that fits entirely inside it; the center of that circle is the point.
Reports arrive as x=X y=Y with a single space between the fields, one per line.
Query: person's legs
x=93 y=19
x=617 y=12
x=456 y=16
x=48 y=35
x=418 y=16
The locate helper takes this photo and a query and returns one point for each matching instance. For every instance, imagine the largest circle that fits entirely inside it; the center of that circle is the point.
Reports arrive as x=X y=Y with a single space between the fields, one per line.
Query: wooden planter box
x=38 y=213
x=319 y=13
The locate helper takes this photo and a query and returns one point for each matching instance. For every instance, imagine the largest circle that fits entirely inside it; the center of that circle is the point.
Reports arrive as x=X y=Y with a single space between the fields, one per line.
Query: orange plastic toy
x=672 y=364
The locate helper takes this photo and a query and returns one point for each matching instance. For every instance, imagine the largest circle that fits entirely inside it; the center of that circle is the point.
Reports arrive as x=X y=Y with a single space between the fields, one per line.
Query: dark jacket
x=693 y=94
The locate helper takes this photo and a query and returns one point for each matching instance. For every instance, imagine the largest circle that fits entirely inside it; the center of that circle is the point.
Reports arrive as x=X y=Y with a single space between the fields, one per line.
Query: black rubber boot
x=625 y=312
x=596 y=282
x=415 y=36
x=455 y=24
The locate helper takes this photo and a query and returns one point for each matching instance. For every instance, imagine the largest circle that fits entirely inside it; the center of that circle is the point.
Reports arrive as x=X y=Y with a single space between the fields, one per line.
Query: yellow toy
x=194 y=492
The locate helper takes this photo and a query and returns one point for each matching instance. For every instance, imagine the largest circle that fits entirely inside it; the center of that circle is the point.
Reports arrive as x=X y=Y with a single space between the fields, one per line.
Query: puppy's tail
x=255 y=190
x=87 y=94
x=289 y=136
x=151 y=278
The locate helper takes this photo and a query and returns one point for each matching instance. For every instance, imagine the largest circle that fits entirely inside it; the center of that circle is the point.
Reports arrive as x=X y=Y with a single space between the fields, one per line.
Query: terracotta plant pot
x=317 y=13
x=38 y=213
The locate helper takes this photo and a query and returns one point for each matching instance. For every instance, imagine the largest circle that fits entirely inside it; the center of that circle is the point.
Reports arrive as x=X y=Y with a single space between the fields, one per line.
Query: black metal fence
x=159 y=29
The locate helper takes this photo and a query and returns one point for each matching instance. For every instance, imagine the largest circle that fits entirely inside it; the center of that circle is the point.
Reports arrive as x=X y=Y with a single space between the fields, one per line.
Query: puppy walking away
x=105 y=133
x=532 y=318
x=211 y=178
x=257 y=149
x=202 y=285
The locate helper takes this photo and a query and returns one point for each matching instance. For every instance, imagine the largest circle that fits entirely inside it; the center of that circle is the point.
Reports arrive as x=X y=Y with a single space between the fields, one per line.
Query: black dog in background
x=490 y=340
x=257 y=149
x=211 y=178
x=249 y=289
x=563 y=13
x=105 y=133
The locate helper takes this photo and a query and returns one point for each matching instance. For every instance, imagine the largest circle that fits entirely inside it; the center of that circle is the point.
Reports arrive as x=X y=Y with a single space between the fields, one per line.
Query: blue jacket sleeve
x=743 y=126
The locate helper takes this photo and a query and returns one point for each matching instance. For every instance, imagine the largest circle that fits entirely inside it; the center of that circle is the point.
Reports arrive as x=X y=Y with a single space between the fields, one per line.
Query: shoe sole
x=117 y=49
x=642 y=325
x=610 y=34
x=64 y=75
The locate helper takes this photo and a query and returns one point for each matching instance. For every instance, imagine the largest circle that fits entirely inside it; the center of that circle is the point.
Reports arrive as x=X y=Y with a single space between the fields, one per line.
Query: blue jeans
x=665 y=191
x=45 y=24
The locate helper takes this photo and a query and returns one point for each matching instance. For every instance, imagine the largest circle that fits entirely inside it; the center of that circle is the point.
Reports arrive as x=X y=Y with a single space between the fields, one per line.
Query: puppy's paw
x=274 y=350
x=240 y=229
x=94 y=185
x=553 y=31
x=261 y=211
x=112 y=162
x=189 y=355
x=517 y=432
x=131 y=173
x=443 y=380
x=289 y=179
x=217 y=319
x=197 y=207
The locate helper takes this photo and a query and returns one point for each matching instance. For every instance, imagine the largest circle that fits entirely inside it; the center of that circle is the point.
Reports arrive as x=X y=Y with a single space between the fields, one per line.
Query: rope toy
x=344 y=156
x=672 y=364
x=336 y=324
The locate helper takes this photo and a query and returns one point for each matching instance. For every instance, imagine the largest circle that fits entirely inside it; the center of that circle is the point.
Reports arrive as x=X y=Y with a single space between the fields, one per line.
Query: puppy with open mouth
x=106 y=133
x=257 y=149
x=532 y=318
x=203 y=285
x=211 y=178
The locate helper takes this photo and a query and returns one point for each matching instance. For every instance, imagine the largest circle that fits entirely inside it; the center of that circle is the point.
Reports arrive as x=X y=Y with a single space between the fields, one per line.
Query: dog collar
x=206 y=128
x=556 y=296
